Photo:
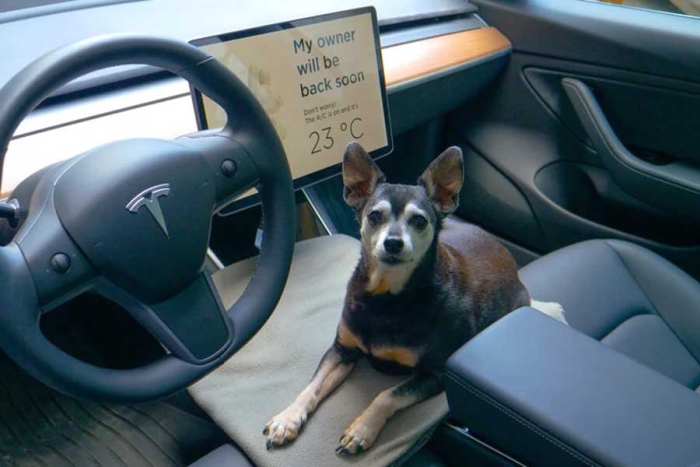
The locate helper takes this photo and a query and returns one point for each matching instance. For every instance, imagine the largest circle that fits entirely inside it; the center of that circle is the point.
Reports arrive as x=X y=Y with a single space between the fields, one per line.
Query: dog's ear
x=360 y=176
x=443 y=180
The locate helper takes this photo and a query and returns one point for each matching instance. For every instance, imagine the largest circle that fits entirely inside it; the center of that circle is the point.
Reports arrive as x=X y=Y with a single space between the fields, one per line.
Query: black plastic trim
x=463 y=9
x=407 y=34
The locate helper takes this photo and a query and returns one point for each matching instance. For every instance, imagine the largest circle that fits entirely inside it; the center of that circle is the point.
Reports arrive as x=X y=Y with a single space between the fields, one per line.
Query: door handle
x=675 y=186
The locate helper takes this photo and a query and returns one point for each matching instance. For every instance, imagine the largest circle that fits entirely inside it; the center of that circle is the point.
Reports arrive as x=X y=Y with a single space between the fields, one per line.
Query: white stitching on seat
x=521 y=421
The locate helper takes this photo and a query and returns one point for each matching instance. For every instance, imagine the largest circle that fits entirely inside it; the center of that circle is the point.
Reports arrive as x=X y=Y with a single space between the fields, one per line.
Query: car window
x=683 y=7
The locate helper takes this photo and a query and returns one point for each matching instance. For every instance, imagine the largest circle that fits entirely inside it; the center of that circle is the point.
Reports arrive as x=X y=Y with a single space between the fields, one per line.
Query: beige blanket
x=268 y=373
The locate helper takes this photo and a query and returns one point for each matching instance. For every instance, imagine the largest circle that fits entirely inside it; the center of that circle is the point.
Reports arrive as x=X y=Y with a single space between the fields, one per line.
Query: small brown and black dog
x=422 y=288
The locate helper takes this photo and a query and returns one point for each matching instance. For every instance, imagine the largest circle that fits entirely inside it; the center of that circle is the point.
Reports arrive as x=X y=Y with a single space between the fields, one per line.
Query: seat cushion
x=628 y=298
x=227 y=455
x=269 y=372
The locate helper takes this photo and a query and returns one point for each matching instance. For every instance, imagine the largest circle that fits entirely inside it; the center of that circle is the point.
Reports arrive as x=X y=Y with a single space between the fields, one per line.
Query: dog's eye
x=419 y=222
x=375 y=217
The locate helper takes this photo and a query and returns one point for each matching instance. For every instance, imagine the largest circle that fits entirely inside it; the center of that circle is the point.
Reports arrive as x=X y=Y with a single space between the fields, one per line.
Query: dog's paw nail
x=268 y=445
x=266 y=430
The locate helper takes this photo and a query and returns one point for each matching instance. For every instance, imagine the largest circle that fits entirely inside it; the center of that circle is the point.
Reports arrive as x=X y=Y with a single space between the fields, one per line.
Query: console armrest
x=551 y=396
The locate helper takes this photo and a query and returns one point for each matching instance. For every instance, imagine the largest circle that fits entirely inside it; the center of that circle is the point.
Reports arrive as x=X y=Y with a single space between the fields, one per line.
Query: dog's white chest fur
x=388 y=280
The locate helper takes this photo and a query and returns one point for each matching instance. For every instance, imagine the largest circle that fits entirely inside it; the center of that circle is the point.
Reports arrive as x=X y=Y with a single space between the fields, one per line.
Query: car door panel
x=581 y=31
x=543 y=173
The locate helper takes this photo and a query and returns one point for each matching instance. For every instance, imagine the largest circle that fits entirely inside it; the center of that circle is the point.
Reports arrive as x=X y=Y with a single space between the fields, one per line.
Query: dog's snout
x=393 y=245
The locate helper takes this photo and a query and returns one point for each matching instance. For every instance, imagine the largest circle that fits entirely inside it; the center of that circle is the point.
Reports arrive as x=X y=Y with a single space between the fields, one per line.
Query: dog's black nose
x=393 y=245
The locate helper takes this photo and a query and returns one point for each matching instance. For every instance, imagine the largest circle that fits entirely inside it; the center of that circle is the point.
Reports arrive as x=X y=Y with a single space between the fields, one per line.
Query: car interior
x=164 y=339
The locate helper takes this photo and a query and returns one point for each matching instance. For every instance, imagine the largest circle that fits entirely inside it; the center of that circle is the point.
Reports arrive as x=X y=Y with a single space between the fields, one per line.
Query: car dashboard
x=424 y=45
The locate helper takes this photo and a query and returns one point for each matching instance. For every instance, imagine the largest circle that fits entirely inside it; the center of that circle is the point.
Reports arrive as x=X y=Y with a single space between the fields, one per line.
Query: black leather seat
x=629 y=299
x=609 y=389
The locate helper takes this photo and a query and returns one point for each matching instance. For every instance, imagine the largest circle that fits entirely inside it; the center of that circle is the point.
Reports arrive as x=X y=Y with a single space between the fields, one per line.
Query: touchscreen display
x=319 y=79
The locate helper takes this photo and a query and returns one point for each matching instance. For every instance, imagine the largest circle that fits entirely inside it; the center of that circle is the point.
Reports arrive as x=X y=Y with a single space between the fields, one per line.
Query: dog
x=422 y=288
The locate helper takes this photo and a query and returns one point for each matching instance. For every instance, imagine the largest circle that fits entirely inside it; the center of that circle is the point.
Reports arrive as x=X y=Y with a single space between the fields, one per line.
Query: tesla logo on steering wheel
x=150 y=199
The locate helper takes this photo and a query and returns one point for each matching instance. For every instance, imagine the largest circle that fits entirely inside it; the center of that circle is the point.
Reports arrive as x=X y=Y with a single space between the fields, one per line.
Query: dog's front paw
x=285 y=426
x=359 y=436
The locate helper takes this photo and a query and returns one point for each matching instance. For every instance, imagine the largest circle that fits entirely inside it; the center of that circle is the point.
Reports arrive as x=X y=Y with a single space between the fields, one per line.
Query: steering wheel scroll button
x=60 y=262
x=229 y=167
x=10 y=211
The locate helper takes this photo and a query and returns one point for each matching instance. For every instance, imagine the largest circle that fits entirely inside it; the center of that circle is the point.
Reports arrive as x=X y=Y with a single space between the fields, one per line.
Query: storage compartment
x=589 y=192
x=454 y=444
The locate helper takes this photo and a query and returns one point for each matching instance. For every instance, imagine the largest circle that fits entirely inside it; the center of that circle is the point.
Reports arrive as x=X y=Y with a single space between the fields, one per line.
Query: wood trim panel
x=405 y=62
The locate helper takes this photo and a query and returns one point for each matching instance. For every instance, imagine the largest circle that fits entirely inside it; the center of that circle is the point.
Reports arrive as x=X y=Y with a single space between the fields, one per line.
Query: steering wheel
x=131 y=221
